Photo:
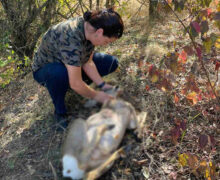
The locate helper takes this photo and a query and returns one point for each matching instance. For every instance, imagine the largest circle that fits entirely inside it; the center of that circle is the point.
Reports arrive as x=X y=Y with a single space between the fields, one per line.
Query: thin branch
x=70 y=13
x=62 y=15
x=195 y=47
x=36 y=12
x=70 y=9
x=9 y=11
x=139 y=9
x=81 y=6
x=143 y=2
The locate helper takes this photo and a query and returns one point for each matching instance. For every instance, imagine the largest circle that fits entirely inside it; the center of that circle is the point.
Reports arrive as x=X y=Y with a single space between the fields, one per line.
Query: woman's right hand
x=102 y=97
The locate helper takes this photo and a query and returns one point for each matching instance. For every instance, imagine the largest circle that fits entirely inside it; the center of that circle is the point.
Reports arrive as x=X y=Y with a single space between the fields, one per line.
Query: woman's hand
x=107 y=86
x=102 y=97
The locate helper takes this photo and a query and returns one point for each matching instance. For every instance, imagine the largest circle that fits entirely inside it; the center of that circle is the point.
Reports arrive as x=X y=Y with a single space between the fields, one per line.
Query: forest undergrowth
x=177 y=139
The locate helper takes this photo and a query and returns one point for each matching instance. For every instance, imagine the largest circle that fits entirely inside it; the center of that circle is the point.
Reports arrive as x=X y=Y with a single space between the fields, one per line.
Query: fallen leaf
x=212 y=169
x=152 y=68
x=174 y=44
x=191 y=84
x=173 y=175
x=202 y=167
x=199 y=52
x=167 y=169
x=165 y=85
x=176 y=98
x=171 y=61
x=205 y=113
x=183 y=57
x=147 y=87
x=153 y=73
x=174 y=67
x=31 y=169
x=207 y=44
x=145 y=172
x=31 y=98
x=203 y=141
x=193 y=161
x=207 y=174
x=217 y=42
x=196 y=26
x=199 y=97
x=209 y=11
x=175 y=134
x=140 y=63
x=169 y=1
x=188 y=50
x=154 y=78
x=204 y=26
x=140 y=162
x=127 y=171
x=203 y=164
x=217 y=65
x=177 y=121
x=193 y=97
x=183 y=159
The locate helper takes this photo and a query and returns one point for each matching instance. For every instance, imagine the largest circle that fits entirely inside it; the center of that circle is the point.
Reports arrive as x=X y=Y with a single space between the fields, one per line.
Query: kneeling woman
x=66 y=57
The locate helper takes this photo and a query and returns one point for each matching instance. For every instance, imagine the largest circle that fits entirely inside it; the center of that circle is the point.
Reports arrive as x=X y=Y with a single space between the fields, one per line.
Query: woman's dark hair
x=107 y=19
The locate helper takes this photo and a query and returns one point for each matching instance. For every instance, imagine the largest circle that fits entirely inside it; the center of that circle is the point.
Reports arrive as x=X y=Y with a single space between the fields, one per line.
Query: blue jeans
x=54 y=77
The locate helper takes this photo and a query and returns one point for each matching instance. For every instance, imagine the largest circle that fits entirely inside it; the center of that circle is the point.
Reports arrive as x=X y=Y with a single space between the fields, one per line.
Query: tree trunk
x=90 y=4
x=112 y=3
x=97 y=4
x=107 y=3
x=153 y=9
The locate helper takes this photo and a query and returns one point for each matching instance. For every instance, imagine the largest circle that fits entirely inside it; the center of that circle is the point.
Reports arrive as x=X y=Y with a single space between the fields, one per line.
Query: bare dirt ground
x=30 y=148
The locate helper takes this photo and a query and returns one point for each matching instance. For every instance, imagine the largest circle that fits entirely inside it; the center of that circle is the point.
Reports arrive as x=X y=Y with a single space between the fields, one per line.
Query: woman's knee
x=114 y=64
x=105 y=63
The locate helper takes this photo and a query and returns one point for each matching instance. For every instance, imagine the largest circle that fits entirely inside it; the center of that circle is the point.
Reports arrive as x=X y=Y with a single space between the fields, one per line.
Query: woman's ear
x=100 y=32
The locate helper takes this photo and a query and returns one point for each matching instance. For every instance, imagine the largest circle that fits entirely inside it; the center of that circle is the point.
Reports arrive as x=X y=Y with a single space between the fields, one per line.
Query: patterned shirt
x=65 y=43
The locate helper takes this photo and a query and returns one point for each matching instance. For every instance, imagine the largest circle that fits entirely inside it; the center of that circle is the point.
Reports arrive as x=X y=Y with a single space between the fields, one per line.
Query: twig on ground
x=53 y=170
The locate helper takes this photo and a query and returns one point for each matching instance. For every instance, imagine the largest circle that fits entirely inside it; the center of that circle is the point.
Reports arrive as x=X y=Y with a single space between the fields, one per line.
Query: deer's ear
x=133 y=122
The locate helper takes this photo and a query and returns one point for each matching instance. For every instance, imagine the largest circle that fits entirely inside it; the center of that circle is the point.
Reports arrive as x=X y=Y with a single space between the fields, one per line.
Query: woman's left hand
x=107 y=86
